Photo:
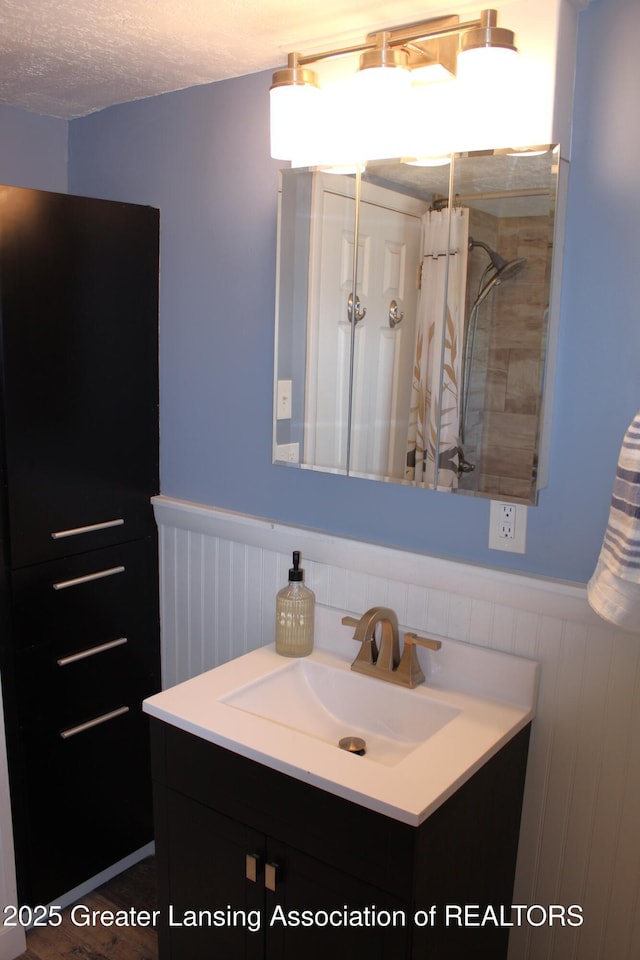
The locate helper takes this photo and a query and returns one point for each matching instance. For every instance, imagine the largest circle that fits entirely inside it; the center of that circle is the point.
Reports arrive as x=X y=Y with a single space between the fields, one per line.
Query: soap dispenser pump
x=295 y=607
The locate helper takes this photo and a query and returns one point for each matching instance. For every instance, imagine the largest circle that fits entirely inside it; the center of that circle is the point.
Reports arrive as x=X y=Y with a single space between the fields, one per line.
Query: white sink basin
x=421 y=744
x=329 y=704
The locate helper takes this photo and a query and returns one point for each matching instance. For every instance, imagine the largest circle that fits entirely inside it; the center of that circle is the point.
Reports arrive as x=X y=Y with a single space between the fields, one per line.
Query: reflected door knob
x=395 y=317
x=360 y=312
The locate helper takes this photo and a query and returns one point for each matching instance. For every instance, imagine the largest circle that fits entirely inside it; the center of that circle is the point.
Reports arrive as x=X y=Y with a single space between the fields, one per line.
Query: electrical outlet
x=288 y=452
x=507 y=526
x=283 y=400
x=507 y=521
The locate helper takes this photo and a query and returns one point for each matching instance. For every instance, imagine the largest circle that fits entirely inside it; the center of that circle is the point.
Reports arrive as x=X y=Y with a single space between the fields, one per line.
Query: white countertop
x=493 y=693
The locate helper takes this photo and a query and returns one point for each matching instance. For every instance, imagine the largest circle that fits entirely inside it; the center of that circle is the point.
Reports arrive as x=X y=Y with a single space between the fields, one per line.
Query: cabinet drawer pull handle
x=72 y=731
x=63 y=584
x=271 y=876
x=89 y=528
x=90 y=652
x=252 y=862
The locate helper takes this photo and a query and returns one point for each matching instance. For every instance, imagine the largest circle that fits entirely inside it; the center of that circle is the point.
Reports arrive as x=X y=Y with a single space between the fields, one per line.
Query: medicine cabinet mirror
x=414 y=313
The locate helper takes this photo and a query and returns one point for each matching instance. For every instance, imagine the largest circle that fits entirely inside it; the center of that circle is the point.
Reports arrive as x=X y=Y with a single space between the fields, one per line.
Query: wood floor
x=135 y=887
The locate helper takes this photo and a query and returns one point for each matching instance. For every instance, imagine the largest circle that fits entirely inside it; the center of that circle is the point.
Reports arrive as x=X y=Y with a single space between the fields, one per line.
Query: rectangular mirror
x=412 y=321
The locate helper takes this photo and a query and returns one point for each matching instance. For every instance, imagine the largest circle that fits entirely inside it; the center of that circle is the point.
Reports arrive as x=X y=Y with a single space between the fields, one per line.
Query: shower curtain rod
x=503 y=194
x=441 y=202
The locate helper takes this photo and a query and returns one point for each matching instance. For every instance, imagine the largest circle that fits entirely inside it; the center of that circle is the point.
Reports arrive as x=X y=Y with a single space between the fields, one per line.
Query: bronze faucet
x=386 y=664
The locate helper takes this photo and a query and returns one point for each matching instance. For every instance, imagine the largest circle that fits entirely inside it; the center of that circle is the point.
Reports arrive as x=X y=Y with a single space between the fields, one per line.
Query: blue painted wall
x=202 y=156
x=33 y=150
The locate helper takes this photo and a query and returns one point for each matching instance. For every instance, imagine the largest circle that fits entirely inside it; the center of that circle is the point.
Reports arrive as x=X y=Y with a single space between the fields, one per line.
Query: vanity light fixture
x=390 y=62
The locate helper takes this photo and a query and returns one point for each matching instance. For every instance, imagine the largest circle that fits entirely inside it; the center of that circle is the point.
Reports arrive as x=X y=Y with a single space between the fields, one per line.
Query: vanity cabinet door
x=79 y=298
x=202 y=866
x=227 y=890
x=305 y=913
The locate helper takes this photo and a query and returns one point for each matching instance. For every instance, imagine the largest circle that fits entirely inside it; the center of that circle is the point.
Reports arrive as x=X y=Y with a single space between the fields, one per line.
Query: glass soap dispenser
x=295 y=608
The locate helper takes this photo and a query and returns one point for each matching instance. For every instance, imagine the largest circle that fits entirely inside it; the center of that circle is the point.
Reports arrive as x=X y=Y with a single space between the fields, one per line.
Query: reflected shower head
x=508 y=270
x=504 y=269
x=495 y=258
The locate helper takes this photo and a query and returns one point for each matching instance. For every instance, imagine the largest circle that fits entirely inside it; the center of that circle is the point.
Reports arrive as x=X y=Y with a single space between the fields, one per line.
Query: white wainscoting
x=580 y=840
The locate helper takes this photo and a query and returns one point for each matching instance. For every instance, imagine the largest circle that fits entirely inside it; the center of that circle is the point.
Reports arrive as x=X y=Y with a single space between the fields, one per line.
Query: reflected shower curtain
x=442 y=294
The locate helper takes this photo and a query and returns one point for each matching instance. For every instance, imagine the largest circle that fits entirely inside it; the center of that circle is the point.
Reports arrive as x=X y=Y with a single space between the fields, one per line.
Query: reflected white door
x=389 y=257
x=329 y=343
x=388 y=262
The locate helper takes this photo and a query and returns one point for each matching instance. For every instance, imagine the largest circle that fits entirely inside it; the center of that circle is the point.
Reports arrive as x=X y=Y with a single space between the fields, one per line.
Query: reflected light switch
x=283 y=403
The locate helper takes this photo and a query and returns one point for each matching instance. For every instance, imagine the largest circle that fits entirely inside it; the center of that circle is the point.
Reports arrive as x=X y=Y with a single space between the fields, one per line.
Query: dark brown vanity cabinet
x=79 y=641
x=255 y=864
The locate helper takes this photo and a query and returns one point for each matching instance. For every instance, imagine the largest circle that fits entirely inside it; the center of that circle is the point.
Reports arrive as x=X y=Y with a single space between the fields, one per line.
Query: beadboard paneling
x=580 y=840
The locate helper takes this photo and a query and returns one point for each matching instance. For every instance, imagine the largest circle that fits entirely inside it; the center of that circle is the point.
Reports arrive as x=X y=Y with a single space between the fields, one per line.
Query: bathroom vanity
x=272 y=842
x=234 y=835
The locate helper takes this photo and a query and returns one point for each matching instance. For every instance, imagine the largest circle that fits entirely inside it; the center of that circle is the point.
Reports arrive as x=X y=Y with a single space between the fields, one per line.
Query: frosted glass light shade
x=333 y=137
x=489 y=103
x=433 y=119
x=382 y=108
x=294 y=118
x=486 y=65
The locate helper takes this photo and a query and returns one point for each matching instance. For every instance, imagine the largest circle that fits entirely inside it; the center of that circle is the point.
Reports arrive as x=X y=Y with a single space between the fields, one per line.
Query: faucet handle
x=409 y=670
x=413 y=638
x=368 y=652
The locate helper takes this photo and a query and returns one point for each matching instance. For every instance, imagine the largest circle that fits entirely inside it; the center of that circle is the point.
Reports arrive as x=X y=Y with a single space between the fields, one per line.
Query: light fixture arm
x=402 y=36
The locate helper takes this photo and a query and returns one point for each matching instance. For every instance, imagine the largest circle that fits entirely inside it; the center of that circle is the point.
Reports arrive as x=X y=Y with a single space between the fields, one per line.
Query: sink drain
x=353 y=745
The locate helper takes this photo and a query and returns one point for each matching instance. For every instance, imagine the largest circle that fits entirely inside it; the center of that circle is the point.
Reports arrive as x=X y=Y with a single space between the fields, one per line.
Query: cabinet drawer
x=86 y=803
x=60 y=692
x=81 y=528
x=80 y=602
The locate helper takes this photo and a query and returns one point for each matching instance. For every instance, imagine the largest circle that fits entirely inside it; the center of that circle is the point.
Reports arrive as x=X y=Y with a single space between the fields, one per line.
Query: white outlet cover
x=515 y=544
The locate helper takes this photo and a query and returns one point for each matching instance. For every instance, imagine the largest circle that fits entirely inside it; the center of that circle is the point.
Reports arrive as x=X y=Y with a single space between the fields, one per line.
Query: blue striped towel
x=614 y=588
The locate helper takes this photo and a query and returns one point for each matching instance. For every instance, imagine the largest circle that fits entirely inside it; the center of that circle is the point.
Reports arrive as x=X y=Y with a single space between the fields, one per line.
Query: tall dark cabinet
x=79 y=631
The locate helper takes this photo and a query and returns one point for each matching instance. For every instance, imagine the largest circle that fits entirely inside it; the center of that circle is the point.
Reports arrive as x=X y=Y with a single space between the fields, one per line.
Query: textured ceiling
x=68 y=58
